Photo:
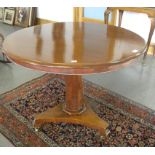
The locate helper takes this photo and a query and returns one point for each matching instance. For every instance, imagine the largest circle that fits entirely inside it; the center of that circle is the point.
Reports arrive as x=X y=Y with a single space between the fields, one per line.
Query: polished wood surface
x=74 y=95
x=87 y=118
x=73 y=48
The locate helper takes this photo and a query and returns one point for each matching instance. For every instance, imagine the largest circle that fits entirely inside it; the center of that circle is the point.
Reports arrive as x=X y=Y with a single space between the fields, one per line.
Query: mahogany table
x=73 y=49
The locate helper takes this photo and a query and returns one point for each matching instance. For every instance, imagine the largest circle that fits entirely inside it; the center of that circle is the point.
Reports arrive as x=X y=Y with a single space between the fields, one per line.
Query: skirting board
x=43 y=21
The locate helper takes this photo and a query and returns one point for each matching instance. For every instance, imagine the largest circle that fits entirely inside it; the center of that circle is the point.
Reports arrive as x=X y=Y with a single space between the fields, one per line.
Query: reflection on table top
x=73 y=46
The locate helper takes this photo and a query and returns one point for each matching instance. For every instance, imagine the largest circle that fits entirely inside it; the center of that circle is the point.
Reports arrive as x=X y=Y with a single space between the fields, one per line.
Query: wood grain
x=73 y=48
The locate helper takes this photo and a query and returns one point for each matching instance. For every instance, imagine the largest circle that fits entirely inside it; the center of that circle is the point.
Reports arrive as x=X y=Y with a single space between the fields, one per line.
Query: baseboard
x=43 y=21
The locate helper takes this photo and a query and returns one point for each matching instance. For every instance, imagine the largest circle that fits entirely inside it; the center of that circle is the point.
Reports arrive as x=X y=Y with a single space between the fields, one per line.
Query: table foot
x=87 y=118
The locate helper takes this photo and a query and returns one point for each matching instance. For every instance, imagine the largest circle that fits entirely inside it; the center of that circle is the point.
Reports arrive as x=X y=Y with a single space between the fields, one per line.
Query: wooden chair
x=149 y=11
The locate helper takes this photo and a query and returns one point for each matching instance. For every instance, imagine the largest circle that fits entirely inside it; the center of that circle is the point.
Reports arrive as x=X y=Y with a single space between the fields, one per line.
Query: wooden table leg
x=74 y=110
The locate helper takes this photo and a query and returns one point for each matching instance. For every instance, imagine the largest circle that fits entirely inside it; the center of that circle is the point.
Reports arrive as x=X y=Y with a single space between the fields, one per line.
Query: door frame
x=78 y=15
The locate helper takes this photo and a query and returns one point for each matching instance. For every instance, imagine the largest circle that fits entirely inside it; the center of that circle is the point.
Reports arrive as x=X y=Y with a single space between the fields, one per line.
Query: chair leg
x=120 y=15
x=153 y=51
x=4 y=58
x=150 y=35
x=106 y=15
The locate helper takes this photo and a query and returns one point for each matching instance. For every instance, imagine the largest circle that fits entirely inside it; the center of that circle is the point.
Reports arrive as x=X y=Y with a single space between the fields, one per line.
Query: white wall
x=138 y=23
x=56 y=13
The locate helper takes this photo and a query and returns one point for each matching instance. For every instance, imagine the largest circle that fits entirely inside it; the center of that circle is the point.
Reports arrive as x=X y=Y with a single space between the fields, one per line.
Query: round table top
x=73 y=48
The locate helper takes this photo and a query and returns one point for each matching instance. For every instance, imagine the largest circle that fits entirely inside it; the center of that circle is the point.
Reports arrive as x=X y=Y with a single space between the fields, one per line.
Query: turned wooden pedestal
x=74 y=110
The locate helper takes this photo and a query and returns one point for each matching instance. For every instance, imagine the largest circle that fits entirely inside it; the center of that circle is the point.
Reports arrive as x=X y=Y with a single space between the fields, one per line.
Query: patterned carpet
x=130 y=124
